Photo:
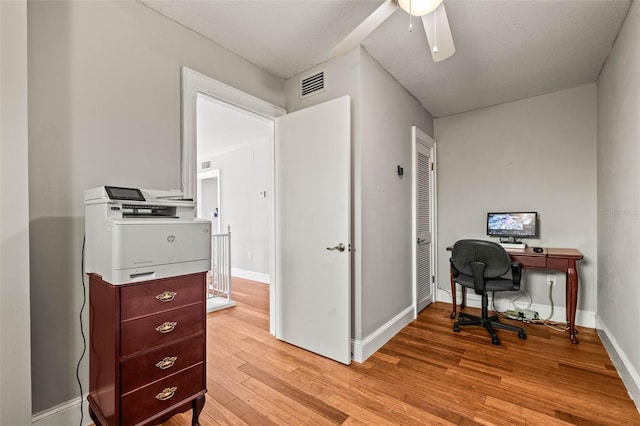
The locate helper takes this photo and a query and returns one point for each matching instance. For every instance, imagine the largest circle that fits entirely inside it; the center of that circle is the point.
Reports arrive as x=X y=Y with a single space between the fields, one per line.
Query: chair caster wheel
x=456 y=328
x=495 y=340
x=522 y=336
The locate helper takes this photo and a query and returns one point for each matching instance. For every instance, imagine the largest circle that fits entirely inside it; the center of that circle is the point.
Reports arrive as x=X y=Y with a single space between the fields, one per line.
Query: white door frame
x=193 y=83
x=424 y=139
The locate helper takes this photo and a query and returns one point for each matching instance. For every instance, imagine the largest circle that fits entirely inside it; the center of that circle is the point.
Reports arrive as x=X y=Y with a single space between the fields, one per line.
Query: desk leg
x=572 y=299
x=453 y=293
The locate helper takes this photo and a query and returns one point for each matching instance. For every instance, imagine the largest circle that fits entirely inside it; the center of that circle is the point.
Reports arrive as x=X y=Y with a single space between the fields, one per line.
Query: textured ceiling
x=505 y=50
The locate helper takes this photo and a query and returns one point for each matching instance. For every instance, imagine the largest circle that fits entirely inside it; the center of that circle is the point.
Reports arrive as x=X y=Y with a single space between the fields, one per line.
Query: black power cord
x=84 y=339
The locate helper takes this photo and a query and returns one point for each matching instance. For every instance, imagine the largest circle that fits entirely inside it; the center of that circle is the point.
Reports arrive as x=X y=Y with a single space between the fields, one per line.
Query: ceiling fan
x=434 y=20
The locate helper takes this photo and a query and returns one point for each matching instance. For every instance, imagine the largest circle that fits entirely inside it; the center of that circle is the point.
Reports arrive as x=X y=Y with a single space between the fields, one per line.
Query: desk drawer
x=154 y=330
x=161 y=362
x=530 y=261
x=153 y=297
x=158 y=396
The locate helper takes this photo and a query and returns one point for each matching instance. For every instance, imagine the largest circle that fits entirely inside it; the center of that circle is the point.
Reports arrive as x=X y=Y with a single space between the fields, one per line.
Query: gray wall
x=15 y=371
x=243 y=174
x=536 y=154
x=104 y=108
x=387 y=113
x=382 y=115
x=618 y=196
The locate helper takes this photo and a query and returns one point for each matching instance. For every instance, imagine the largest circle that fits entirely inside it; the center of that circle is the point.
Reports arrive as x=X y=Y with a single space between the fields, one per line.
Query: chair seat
x=497 y=284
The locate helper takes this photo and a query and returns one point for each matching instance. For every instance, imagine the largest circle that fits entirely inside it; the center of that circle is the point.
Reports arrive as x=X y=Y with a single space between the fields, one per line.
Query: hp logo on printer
x=171 y=238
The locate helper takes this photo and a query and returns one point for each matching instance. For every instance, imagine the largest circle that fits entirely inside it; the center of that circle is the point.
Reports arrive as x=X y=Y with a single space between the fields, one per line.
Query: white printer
x=137 y=235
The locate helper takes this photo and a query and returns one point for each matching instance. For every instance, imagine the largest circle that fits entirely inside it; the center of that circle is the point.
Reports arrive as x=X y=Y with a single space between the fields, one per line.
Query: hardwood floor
x=426 y=375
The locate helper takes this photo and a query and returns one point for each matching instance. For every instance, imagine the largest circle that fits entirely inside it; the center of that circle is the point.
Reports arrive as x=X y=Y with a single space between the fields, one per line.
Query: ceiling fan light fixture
x=419 y=7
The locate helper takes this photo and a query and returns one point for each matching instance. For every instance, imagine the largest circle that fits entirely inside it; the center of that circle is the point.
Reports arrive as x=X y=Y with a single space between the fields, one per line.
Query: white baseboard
x=583 y=318
x=629 y=375
x=65 y=414
x=363 y=349
x=251 y=275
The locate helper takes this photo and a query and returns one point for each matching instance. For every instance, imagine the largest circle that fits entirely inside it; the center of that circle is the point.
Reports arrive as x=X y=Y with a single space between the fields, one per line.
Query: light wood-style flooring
x=426 y=375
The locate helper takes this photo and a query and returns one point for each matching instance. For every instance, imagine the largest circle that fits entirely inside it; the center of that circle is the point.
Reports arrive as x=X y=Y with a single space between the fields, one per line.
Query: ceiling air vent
x=205 y=165
x=312 y=85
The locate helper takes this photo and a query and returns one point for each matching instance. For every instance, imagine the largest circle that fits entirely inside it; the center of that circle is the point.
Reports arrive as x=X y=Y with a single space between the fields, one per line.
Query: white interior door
x=424 y=214
x=312 y=209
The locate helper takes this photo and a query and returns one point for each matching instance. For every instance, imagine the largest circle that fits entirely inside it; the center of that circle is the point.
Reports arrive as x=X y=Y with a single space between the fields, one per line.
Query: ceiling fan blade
x=355 y=37
x=436 y=26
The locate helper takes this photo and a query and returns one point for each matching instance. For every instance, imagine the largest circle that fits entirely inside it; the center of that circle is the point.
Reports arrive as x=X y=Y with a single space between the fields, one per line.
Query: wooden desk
x=559 y=259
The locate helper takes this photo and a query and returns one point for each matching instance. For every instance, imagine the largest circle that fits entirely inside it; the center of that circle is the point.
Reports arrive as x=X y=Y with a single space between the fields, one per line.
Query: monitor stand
x=512 y=243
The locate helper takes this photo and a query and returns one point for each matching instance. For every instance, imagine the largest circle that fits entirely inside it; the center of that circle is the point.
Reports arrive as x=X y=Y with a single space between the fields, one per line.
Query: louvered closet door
x=424 y=217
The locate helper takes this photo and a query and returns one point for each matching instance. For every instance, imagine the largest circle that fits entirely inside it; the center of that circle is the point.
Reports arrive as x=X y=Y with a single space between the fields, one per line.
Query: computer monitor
x=511 y=226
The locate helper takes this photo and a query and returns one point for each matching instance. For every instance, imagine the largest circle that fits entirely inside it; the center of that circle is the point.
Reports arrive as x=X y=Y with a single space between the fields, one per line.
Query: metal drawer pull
x=167 y=393
x=166 y=327
x=166 y=296
x=167 y=362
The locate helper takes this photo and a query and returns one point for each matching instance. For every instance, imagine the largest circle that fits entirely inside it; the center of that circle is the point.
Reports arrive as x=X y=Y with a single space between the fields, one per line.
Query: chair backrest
x=493 y=255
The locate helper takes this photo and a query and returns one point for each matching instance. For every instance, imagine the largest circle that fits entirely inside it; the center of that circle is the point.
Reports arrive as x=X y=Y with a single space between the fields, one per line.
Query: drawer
x=157 y=296
x=530 y=261
x=159 y=363
x=147 y=332
x=164 y=394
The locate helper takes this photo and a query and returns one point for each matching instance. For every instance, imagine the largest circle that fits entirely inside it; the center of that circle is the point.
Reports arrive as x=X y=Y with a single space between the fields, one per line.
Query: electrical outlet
x=551 y=280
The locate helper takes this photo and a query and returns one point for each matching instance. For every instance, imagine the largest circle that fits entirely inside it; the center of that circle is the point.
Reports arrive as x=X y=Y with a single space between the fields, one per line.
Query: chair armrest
x=516 y=274
x=454 y=271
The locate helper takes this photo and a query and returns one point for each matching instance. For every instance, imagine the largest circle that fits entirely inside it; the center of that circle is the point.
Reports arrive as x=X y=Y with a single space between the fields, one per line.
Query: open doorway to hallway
x=234 y=190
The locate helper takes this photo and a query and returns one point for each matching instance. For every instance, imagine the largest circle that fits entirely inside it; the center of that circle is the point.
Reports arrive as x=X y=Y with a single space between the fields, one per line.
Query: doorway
x=424 y=219
x=195 y=87
x=232 y=150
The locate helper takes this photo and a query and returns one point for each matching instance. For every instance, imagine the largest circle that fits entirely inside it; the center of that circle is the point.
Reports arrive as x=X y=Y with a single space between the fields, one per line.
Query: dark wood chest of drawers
x=147 y=349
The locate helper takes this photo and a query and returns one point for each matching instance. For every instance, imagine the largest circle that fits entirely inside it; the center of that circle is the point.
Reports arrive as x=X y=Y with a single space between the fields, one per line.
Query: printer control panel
x=118 y=193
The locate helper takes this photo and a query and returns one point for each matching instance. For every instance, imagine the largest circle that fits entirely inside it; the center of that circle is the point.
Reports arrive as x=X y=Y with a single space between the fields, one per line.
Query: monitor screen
x=513 y=224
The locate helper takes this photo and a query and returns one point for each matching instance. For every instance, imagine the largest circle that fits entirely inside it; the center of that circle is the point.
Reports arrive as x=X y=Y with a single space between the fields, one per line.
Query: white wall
x=618 y=197
x=104 y=108
x=382 y=115
x=244 y=173
x=536 y=154
x=15 y=371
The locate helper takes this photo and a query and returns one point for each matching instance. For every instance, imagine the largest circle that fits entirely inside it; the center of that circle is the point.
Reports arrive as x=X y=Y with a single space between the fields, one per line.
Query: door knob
x=339 y=247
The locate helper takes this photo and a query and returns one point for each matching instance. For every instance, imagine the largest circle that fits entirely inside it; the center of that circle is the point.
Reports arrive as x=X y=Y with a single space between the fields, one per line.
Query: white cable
x=515 y=299
x=550 y=301
x=446 y=291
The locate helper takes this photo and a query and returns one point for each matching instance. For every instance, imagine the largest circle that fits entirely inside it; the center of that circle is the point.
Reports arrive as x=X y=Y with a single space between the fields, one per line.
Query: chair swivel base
x=489 y=323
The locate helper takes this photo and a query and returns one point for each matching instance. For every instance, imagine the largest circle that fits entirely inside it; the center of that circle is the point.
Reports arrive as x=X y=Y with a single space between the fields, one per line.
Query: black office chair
x=482 y=266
